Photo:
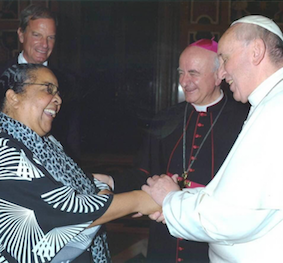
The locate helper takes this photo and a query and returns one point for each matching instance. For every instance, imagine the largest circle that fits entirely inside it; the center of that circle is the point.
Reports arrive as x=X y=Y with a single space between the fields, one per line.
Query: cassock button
x=195 y=147
x=202 y=114
x=193 y=158
x=180 y=248
x=200 y=125
x=198 y=135
x=180 y=259
x=191 y=170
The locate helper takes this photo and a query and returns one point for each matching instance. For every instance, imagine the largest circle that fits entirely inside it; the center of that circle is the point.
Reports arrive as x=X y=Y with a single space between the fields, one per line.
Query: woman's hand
x=158 y=217
x=127 y=203
x=146 y=205
x=105 y=179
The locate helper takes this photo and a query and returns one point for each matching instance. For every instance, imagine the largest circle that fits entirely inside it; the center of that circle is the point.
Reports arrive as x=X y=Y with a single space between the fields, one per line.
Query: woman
x=49 y=210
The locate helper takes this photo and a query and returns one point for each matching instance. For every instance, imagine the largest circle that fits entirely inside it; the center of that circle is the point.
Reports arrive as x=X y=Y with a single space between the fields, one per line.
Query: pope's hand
x=159 y=186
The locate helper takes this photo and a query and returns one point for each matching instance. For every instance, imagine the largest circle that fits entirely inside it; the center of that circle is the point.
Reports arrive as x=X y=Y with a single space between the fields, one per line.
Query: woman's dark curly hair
x=14 y=77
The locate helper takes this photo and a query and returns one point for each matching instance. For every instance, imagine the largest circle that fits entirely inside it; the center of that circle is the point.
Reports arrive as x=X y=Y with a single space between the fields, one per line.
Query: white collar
x=265 y=87
x=203 y=108
x=22 y=60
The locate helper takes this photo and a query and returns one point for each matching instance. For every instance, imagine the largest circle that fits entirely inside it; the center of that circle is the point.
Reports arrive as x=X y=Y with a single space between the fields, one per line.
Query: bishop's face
x=198 y=76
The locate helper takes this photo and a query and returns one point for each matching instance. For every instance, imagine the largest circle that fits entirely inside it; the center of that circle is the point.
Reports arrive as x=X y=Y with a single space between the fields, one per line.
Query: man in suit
x=37 y=34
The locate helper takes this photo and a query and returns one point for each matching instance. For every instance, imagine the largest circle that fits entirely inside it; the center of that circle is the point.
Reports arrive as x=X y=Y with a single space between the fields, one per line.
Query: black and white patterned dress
x=46 y=201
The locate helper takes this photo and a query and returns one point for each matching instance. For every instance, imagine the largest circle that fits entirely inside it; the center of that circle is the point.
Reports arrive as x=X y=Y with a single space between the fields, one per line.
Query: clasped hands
x=158 y=187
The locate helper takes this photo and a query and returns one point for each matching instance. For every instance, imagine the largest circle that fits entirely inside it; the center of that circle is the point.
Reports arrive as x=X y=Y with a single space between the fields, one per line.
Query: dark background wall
x=118 y=72
x=118 y=45
x=124 y=55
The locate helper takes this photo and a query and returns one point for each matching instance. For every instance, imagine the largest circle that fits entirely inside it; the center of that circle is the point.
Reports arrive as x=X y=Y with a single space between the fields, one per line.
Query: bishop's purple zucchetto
x=208 y=44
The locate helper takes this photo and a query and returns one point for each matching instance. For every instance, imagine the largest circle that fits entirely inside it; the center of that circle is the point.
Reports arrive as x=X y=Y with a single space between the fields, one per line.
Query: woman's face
x=37 y=106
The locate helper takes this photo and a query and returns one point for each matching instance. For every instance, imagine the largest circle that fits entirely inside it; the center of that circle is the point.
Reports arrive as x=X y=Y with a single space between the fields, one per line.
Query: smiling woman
x=37 y=104
x=49 y=209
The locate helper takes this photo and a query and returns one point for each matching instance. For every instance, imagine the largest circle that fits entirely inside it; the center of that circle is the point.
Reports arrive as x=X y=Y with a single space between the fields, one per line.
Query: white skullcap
x=261 y=21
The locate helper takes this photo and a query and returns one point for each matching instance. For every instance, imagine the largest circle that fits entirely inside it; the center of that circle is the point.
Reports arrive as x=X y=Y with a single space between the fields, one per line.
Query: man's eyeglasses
x=51 y=88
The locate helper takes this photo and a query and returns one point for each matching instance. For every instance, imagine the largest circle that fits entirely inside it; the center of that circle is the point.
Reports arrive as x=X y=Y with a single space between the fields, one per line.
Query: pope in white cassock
x=240 y=211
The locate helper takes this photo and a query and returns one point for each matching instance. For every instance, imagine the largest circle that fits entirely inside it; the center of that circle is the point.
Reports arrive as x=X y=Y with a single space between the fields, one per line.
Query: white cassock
x=239 y=213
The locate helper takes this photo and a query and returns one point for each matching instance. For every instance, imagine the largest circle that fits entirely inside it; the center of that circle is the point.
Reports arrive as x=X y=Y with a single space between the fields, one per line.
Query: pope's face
x=38 y=40
x=37 y=106
x=235 y=66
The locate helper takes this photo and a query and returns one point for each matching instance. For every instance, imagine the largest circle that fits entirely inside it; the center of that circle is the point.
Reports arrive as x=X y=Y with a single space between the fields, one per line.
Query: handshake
x=158 y=187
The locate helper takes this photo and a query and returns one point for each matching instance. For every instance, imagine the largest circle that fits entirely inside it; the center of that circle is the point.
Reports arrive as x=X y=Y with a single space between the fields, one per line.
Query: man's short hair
x=33 y=12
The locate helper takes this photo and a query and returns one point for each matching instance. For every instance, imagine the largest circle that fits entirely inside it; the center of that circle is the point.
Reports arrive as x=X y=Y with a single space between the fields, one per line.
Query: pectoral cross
x=185 y=175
